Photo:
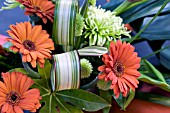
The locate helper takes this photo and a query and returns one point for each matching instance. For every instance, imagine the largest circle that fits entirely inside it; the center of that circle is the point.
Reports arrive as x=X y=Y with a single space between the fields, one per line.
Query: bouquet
x=76 y=56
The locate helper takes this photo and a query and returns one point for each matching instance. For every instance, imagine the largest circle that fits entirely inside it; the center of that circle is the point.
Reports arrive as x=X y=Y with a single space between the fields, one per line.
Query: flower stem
x=30 y=71
x=89 y=85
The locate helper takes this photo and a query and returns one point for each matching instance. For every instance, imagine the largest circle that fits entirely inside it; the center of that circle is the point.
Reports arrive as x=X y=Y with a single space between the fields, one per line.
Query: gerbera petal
x=5 y=107
x=36 y=32
x=132 y=72
x=131 y=79
x=33 y=43
x=116 y=90
x=121 y=64
x=102 y=76
x=3 y=87
x=17 y=109
x=42 y=39
x=128 y=84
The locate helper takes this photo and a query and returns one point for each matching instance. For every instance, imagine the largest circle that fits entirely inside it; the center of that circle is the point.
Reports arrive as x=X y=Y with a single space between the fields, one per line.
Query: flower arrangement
x=72 y=58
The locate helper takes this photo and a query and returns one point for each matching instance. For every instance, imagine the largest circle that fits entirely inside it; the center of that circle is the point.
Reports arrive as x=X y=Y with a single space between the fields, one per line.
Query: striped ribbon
x=64 y=22
x=65 y=72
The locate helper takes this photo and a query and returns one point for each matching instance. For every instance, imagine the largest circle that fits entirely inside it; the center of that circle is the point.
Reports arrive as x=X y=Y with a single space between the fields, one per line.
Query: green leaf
x=155 y=71
x=154 y=98
x=157 y=83
x=52 y=100
x=107 y=95
x=84 y=8
x=123 y=102
x=22 y=70
x=138 y=34
x=126 y=5
x=83 y=99
x=130 y=97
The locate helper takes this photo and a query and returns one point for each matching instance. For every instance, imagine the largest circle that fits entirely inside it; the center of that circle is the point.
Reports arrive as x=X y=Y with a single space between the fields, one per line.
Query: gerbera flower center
x=29 y=45
x=13 y=98
x=118 y=68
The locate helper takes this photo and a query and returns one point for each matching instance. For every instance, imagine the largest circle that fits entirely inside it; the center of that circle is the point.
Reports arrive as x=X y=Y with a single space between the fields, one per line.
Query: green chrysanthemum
x=102 y=26
x=79 y=25
x=86 y=68
x=10 y=4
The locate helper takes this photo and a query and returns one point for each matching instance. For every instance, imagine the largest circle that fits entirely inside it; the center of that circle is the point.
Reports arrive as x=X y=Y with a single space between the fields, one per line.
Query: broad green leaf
x=22 y=70
x=148 y=8
x=83 y=99
x=52 y=102
x=158 y=83
x=50 y=99
x=120 y=101
x=107 y=95
x=154 y=98
x=123 y=102
x=153 y=31
x=155 y=71
x=127 y=5
x=144 y=28
x=45 y=75
x=130 y=97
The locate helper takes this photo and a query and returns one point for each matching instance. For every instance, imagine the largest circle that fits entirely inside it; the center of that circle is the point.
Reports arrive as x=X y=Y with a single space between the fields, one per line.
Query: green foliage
x=154 y=98
x=157 y=83
x=83 y=99
x=123 y=102
x=153 y=70
x=127 y=5
x=151 y=75
x=107 y=95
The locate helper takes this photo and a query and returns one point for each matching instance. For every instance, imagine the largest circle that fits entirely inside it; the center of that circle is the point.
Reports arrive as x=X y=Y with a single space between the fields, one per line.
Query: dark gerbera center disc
x=118 y=69
x=13 y=98
x=29 y=45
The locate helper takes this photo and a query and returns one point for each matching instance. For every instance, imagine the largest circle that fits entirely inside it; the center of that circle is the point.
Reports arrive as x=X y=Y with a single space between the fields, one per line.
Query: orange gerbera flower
x=42 y=8
x=15 y=96
x=121 y=68
x=32 y=42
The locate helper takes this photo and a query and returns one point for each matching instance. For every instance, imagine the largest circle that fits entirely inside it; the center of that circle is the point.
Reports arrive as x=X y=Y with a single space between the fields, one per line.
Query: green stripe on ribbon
x=64 y=22
x=92 y=51
x=65 y=72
